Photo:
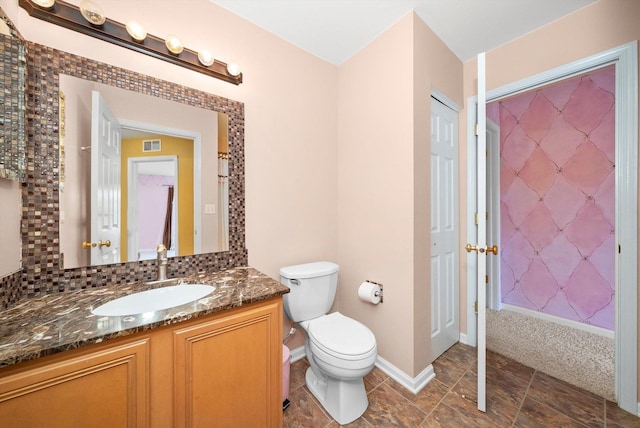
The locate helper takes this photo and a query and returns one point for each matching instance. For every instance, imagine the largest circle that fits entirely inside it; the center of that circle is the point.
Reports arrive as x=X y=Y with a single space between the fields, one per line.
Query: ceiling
x=334 y=30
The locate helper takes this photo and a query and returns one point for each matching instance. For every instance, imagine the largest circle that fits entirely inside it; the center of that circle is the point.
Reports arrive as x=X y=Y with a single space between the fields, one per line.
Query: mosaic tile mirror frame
x=40 y=193
x=12 y=104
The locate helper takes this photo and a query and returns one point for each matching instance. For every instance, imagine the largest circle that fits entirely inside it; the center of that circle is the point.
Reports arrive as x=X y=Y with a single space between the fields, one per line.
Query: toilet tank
x=313 y=288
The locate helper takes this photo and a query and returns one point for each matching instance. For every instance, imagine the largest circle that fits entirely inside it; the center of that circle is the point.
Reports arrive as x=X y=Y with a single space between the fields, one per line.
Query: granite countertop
x=54 y=323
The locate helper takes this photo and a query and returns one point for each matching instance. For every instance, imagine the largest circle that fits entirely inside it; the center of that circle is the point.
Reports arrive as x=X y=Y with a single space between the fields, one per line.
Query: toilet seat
x=342 y=337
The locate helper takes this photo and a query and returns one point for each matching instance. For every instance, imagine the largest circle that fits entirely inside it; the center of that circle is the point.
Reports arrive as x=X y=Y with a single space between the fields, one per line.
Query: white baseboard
x=412 y=384
x=464 y=341
x=297 y=354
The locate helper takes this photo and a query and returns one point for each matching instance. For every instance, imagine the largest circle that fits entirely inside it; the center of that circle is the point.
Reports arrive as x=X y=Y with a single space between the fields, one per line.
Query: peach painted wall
x=383 y=168
x=10 y=214
x=290 y=99
x=598 y=27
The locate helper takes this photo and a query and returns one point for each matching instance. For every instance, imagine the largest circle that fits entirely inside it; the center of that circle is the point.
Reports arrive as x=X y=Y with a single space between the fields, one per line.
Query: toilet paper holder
x=378 y=293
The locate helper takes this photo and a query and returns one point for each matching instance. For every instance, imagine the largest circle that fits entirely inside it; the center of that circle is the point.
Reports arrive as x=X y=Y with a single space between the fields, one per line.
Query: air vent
x=151 y=145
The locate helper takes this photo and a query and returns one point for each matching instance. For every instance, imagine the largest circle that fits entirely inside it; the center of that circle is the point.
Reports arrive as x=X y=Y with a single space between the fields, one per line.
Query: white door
x=445 y=328
x=105 y=183
x=481 y=235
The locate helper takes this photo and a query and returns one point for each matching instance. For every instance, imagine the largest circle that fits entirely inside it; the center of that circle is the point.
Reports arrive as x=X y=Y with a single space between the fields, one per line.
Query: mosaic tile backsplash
x=40 y=194
x=557 y=180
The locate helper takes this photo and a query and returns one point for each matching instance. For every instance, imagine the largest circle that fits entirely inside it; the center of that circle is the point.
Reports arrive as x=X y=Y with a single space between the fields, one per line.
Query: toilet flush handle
x=294 y=281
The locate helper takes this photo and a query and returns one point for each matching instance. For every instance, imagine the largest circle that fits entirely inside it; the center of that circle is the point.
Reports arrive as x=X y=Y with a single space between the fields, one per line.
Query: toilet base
x=344 y=400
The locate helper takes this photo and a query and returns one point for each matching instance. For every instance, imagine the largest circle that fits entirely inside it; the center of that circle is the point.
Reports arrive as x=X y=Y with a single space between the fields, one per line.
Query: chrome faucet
x=162 y=262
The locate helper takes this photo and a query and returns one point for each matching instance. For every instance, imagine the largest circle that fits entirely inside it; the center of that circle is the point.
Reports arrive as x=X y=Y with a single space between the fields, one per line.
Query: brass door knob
x=106 y=243
x=471 y=248
x=493 y=250
x=86 y=244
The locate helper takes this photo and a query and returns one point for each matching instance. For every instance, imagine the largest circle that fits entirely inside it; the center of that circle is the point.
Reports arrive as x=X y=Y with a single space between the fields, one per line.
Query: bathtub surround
x=557 y=198
x=40 y=193
x=583 y=359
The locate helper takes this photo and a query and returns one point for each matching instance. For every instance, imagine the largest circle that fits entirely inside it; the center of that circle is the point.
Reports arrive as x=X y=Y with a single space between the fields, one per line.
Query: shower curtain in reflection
x=168 y=219
x=223 y=200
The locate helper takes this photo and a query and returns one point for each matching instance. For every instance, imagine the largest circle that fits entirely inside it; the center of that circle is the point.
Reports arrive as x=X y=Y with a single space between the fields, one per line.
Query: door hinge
x=477 y=217
x=475 y=306
x=486 y=279
x=477 y=129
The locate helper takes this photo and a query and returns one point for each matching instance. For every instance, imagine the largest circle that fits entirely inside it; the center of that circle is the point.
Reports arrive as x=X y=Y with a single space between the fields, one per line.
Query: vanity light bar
x=69 y=16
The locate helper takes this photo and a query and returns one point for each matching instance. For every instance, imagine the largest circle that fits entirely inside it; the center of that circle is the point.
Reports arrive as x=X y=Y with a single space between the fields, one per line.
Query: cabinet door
x=106 y=388
x=228 y=371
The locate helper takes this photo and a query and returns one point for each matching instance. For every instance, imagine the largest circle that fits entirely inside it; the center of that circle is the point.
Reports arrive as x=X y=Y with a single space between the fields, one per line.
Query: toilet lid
x=341 y=336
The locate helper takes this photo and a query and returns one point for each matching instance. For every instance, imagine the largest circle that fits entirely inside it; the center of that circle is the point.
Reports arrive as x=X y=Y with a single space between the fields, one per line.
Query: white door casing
x=494 y=300
x=445 y=325
x=105 y=183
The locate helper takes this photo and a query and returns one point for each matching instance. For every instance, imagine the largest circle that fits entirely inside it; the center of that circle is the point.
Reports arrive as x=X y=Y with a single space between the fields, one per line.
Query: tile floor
x=517 y=396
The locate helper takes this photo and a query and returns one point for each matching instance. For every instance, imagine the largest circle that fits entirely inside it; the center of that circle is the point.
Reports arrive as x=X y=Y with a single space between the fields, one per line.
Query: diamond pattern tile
x=539 y=172
x=538 y=228
x=538 y=117
x=557 y=149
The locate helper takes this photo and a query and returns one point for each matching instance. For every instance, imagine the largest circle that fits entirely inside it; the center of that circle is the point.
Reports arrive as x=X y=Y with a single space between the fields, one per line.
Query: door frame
x=625 y=57
x=197 y=167
x=133 y=165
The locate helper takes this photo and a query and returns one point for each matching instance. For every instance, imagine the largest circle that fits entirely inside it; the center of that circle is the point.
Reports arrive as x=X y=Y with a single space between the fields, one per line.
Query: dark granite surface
x=37 y=327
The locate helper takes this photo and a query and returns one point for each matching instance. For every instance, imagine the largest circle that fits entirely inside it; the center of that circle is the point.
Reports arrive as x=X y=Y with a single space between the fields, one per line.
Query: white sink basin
x=154 y=300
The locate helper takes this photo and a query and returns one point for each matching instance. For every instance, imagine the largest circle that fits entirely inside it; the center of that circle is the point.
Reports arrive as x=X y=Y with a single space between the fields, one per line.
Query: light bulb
x=233 y=69
x=205 y=57
x=92 y=12
x=45 y=3
x=136 y=31
x=174 y=44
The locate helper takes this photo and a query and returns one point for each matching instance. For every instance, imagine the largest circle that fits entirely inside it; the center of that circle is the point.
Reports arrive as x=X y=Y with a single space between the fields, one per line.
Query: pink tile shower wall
x=557 y=149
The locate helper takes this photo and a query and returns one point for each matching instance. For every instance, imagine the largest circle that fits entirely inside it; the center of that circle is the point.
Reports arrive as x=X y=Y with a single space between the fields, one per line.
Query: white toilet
x=340 y=350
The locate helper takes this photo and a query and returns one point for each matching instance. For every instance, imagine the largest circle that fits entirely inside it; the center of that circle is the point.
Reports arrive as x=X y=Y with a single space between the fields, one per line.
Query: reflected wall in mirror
x=137 y=171
x=13 y=64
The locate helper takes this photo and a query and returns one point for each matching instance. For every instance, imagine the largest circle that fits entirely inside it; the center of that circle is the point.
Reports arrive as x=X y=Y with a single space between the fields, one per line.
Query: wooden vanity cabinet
x=104 y=387
x=228 y=371
x=220 y=370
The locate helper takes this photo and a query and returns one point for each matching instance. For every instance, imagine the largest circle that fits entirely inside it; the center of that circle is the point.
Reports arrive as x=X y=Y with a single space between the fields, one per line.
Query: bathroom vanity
x=212 y=362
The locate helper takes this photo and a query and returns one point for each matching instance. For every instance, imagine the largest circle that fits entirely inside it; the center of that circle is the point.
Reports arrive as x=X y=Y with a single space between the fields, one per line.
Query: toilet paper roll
x=369 y=292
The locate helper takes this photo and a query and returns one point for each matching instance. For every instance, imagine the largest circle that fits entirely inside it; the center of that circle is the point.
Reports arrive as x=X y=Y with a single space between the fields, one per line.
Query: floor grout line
x=524 y=397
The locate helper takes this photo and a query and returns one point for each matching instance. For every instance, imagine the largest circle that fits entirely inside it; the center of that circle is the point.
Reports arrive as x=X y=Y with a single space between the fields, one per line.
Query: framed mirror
x=44 y=267
x=167 y=183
